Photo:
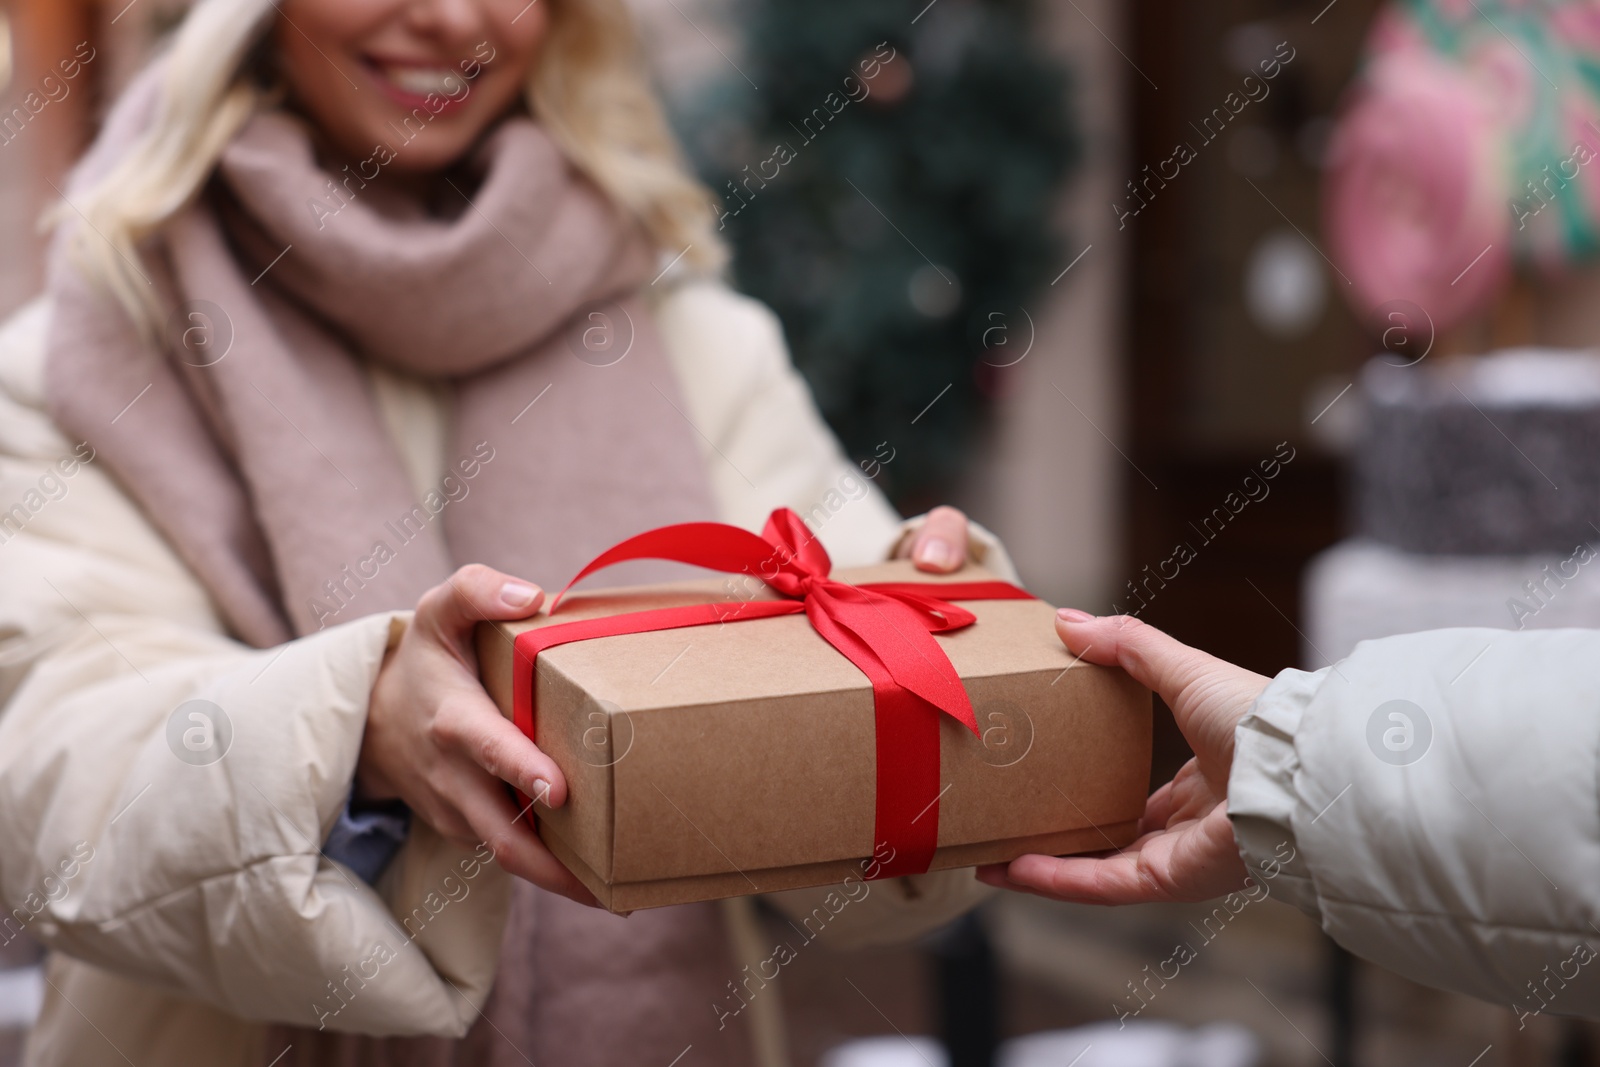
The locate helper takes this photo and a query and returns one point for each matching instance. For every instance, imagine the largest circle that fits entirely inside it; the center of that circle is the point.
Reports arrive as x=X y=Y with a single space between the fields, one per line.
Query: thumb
x=1207 y=695
x=1153 y=659
x=473 y=594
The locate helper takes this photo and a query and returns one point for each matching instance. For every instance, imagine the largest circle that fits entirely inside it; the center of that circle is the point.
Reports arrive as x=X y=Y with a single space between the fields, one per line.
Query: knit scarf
x=251 y=437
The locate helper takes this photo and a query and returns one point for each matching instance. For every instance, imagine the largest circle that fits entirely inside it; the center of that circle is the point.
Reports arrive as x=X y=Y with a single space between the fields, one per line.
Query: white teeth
x=423 y=81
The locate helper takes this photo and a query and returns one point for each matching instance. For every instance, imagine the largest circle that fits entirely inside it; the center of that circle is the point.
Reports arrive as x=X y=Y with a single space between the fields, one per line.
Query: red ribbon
x=884 y=628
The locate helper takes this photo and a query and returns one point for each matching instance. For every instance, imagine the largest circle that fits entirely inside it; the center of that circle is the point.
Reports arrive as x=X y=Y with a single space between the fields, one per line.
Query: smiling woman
x=264 y=531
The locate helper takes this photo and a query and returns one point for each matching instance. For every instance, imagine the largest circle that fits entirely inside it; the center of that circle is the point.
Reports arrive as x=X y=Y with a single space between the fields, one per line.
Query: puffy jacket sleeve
x=1433 y=801
x=164 y=790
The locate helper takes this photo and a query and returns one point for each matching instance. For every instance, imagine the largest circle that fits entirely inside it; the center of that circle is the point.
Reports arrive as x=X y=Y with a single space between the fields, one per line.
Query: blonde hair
x=587 y=88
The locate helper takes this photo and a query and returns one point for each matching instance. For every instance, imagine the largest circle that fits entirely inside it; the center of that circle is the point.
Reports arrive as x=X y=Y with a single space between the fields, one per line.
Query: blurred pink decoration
x=1417 y=193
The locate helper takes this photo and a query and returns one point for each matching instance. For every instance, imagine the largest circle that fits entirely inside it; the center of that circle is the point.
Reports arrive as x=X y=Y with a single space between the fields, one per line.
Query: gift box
x=735 y=736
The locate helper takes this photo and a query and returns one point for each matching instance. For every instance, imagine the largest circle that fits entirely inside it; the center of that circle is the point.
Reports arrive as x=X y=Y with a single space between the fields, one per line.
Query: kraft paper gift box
x=736 y=758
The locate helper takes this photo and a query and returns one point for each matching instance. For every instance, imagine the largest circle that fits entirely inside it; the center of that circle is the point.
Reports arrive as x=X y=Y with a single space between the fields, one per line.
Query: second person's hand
x=1186 y=850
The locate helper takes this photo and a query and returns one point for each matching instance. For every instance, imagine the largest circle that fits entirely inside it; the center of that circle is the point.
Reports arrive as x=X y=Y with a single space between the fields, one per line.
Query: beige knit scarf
x=251 y=437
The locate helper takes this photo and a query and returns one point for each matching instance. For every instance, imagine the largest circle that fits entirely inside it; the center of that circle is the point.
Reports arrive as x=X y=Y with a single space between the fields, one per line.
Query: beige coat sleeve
x=164 y=790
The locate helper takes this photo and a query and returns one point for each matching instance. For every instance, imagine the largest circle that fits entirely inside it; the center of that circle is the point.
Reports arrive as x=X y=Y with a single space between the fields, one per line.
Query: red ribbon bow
x=885 y=628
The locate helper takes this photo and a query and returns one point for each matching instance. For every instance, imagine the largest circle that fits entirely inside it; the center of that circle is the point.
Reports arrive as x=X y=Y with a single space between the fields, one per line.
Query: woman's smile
x=411 y=83
x=443 y=72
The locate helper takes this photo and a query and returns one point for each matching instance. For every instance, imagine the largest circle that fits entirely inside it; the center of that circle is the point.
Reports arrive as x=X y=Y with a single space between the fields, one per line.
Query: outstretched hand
x=435 y=740
x=1186 y=850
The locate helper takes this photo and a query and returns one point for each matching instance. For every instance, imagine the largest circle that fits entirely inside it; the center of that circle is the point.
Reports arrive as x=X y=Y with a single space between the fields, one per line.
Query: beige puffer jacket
x=188 y=904
x=1432 y=801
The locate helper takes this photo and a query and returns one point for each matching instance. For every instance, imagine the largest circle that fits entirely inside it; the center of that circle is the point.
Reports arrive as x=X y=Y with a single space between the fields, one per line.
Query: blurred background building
x=1092 y=270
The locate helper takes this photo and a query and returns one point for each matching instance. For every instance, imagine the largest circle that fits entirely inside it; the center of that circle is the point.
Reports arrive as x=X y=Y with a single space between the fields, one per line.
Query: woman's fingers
x=1197 y=860
x=471 y=726
x=1166 y=665
x=496 y=820
x=476 y=593
x=1207 y=695
x=1118 y=879
x=1194 y=859
x=1157 y=810
x=437 y=741
x=940 y=544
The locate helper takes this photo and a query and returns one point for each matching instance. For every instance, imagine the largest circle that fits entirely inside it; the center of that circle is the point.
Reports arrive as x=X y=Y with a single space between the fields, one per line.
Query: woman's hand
x=435 y=740
x=939 y=544
x=1187 y=850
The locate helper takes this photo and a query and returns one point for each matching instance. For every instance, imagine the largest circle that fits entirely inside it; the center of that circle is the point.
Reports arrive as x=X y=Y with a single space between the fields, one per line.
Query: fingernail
x=517 y=595
x=541 y=792
x=935 y=553
x=1073 y=615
